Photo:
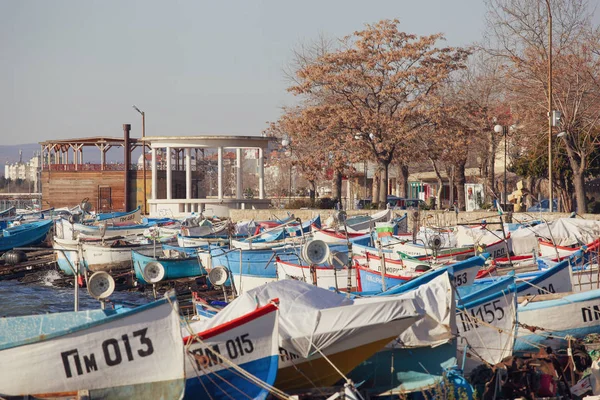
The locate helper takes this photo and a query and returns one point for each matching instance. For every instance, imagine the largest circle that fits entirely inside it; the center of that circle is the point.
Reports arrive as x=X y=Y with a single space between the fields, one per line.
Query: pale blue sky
x=74 y=68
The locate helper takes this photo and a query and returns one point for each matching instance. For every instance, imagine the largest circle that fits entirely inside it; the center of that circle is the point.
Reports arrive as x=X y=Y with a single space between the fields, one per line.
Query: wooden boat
x=249 y=343
x=175 y=265
x=9 y=214
x=546 y=319
x=121 y=217
x=487 y=327
x=67 y=255
x=325 y=277
x=134 y=354
x=253 y=268
x=370 y=280
x=111 y=255
x=315 y=321
x=194 y=241
x=363 y=224
x=547 y=249
x=24 y=235
x=277 y=237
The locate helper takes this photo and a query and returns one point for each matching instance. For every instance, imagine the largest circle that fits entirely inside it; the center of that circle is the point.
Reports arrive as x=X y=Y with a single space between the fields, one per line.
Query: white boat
x=220 y=358
x=107 y=354
x=324 y=277
x=314 y=322
x=112 y=255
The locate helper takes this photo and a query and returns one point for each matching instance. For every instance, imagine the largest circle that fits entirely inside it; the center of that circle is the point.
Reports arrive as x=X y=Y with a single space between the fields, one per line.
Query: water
x=39 y=298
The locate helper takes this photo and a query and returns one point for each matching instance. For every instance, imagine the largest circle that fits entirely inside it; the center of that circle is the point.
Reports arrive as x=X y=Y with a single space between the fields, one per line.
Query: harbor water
x=43 y=297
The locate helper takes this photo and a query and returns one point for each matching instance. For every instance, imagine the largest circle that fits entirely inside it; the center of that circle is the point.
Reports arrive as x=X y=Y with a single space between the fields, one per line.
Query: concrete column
x=261 y=174
x=188 y=177
x=238 y=176
x=102 y=157
x=169 y=174
x=220 y=172
x=154 y=174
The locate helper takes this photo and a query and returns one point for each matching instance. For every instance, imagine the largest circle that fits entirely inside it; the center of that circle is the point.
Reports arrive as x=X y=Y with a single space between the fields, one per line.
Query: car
x=543 y=206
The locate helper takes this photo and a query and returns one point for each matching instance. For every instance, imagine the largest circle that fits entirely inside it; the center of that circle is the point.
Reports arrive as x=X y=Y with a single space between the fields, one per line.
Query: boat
x=366 y=223
x=65 y=229
x=219 y=359
x=112 y=255
x=9 y=214
x=276 y=237
x=67 y=252
x=422 y=356
x=370 y=280
x=174 y=265
x=325 y=277
x=315 y=323
x=337 y=237
x=547 y=319
x=29 y=234
x=487 y=327
x=121 y=217
x=98 y=353
x=253 y=268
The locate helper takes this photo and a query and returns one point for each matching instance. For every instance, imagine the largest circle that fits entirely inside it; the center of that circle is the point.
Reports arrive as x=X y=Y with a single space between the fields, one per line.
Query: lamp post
x=143 y=151
x=549 y=104
x=504 y=130
x=286 y=142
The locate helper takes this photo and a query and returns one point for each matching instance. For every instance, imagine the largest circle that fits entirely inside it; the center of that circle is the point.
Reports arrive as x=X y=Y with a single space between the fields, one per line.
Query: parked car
x=543 y=206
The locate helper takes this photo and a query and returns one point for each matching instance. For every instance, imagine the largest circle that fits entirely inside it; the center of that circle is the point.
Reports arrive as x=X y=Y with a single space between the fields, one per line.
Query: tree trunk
x=530 y=186
x=337 y=185
x=376 y=184
x=440 y=181
x=460 y=184
x=403 y=178
x=383 y=190
x=312 y=191
x=579 y=184
x=491 y=169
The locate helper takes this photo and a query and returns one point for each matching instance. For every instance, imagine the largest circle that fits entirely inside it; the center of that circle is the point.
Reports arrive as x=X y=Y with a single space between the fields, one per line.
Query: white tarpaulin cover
x=436 y=301
x=466 y=236
x=563 y=232
x=312 y=318
x=140 y=346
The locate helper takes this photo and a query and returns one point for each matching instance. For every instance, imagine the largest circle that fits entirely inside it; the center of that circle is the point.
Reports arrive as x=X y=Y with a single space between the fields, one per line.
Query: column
x=220 y=172
x=238 y=176
x=188 y=177
x=169 y=174
x=349 y=195
x=261 y=174
x=154 y=174
x=75 y=156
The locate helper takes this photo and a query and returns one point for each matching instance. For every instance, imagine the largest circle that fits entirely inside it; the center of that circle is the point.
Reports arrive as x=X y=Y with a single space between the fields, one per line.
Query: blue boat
x=549 y=322
x=370 y=280
x=250 y=342
x=256 y=267
x=183 y=266
x=24 y=235
x=126 y=216
x=454 y=270
x=113 y=354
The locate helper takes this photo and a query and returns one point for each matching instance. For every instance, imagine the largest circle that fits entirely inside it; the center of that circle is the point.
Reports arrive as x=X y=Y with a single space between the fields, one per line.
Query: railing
x=84 y=167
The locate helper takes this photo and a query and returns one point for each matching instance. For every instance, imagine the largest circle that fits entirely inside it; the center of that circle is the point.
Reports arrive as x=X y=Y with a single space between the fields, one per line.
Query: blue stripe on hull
x=371 y=281
x=24 y=235
x=174 y=268
x=228 y=384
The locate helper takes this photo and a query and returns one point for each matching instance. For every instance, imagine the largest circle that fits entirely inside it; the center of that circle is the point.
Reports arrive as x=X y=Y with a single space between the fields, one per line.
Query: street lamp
x=549 y=104
x=504 y=130
x=286 y=142
x=143 y=151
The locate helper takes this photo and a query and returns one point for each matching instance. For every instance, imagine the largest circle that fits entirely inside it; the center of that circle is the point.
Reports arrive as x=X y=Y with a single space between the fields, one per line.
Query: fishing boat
x=9 y=214
x=325 y=277
x=253 y=268
x=486 y=328
x=112 y=255
x=547 y=319
x=200 y=241
x=171 y=265
x=235 y=359
x=106 y=354
x=366 y=223
x=29 y=234
x=121 y=217
x=276 y=237
x=318 y=327
x=370 y=280
x=67 y=255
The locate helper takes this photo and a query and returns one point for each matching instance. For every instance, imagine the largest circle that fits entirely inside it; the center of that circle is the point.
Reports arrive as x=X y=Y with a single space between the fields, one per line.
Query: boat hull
x=174 y=268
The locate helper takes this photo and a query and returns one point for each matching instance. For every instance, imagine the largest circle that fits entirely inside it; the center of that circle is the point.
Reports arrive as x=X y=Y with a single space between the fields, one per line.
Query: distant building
x=27 y=171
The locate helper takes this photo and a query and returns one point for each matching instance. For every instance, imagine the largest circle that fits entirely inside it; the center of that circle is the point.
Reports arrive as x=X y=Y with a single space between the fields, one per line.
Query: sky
x=74 y=68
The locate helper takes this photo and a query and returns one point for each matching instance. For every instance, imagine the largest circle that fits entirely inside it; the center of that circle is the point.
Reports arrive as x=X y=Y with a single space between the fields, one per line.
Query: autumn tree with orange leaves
x=367 y=96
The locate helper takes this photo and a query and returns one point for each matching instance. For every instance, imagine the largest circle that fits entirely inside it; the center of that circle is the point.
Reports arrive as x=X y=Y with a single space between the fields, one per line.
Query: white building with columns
x=173 y=155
